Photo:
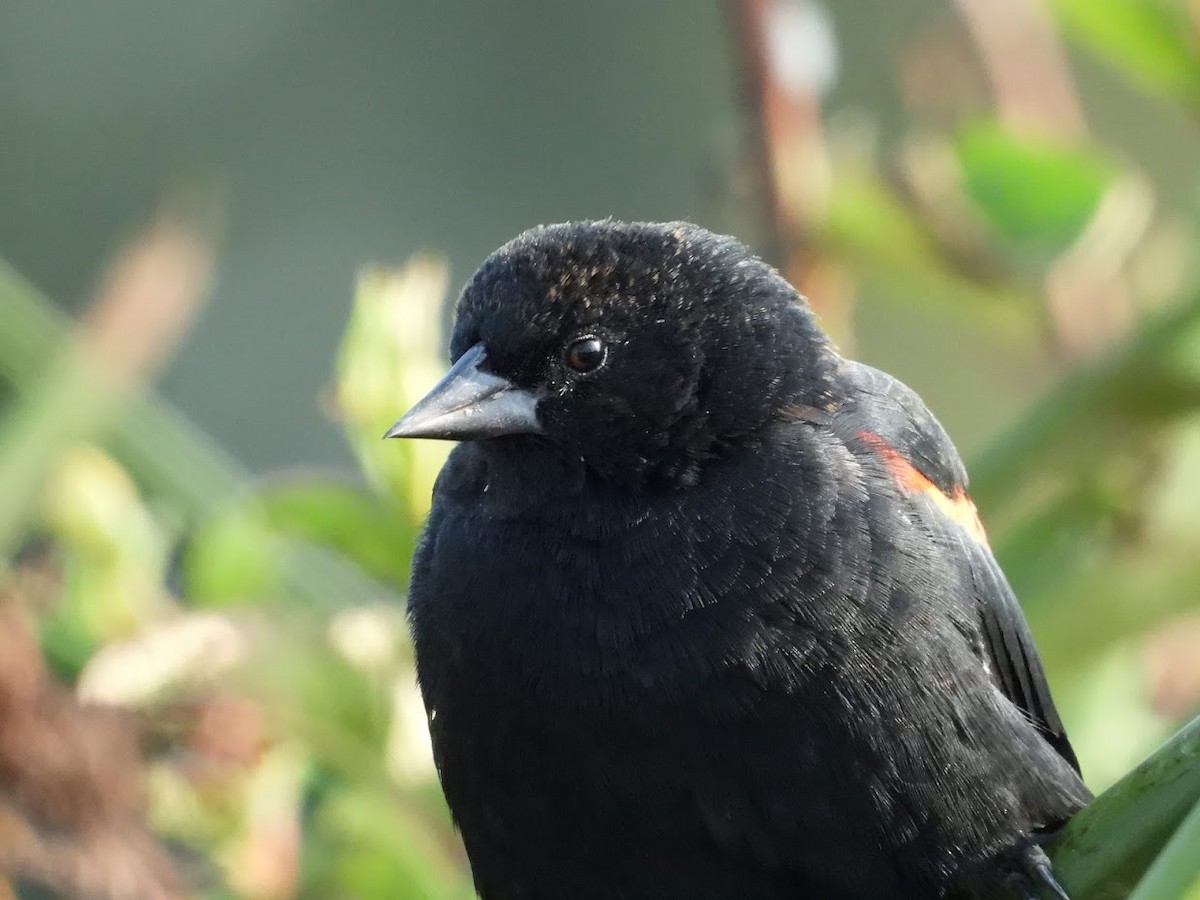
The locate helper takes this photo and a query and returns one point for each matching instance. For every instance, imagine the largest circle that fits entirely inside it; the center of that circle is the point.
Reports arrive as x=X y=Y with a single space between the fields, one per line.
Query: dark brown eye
x=586 y=354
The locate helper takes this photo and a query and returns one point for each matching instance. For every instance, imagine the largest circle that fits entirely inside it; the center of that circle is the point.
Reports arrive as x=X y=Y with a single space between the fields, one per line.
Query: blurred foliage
x=249 y=632
x=1152 y=41
x=1038 y=193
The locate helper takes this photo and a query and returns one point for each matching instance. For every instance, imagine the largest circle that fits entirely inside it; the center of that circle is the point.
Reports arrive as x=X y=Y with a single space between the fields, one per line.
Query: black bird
x=702 y=610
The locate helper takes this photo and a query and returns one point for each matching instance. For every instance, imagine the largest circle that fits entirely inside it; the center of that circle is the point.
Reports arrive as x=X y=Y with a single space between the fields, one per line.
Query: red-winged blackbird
x=702 y=609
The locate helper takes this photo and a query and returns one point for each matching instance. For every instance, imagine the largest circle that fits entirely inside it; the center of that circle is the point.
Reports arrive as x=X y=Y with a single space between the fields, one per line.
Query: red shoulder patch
x=957 y=507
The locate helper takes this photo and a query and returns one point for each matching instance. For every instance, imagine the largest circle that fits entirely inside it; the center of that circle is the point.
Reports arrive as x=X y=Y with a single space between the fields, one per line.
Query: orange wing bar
x=957 y=507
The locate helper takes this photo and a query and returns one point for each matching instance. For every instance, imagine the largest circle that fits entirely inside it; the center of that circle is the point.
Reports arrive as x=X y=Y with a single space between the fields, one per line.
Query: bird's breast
x=600 y=595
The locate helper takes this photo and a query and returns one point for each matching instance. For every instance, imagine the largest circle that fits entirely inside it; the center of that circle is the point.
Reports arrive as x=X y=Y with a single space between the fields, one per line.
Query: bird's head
x=640 y=349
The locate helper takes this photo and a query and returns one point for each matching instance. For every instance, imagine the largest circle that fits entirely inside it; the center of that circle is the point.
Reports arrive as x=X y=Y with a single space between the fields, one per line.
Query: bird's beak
x=470 y=404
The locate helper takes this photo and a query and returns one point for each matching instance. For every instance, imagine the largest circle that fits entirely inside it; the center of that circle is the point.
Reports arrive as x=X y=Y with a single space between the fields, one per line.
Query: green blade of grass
x=1176 y=872
x=1104 y=851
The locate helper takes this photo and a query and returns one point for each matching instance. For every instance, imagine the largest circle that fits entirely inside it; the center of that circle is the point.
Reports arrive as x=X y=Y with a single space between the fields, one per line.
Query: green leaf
x=1036 y=193
x=234 y=556
x=343 y=515
x=1106 y=848
x=331 y=544
x=341 y=714
x=1153 y=42
x=868 y=225
x=1176 y=872
x=378 y=847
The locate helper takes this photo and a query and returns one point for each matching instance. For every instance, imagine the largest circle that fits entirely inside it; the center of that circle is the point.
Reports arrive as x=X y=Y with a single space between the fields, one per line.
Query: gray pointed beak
x=470 y=404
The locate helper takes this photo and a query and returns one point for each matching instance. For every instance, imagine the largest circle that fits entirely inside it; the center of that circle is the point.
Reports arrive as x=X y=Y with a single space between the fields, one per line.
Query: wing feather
x=890 y=419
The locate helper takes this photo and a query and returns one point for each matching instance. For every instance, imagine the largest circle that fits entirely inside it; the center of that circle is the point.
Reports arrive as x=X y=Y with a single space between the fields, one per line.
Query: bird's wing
x=888 y=418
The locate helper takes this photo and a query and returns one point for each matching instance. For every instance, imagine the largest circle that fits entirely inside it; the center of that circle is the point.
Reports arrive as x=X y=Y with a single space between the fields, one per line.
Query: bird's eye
x=586 y=354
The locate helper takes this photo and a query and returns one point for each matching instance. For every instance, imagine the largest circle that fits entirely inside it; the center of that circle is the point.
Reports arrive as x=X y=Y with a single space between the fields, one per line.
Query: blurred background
x=229 y=234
